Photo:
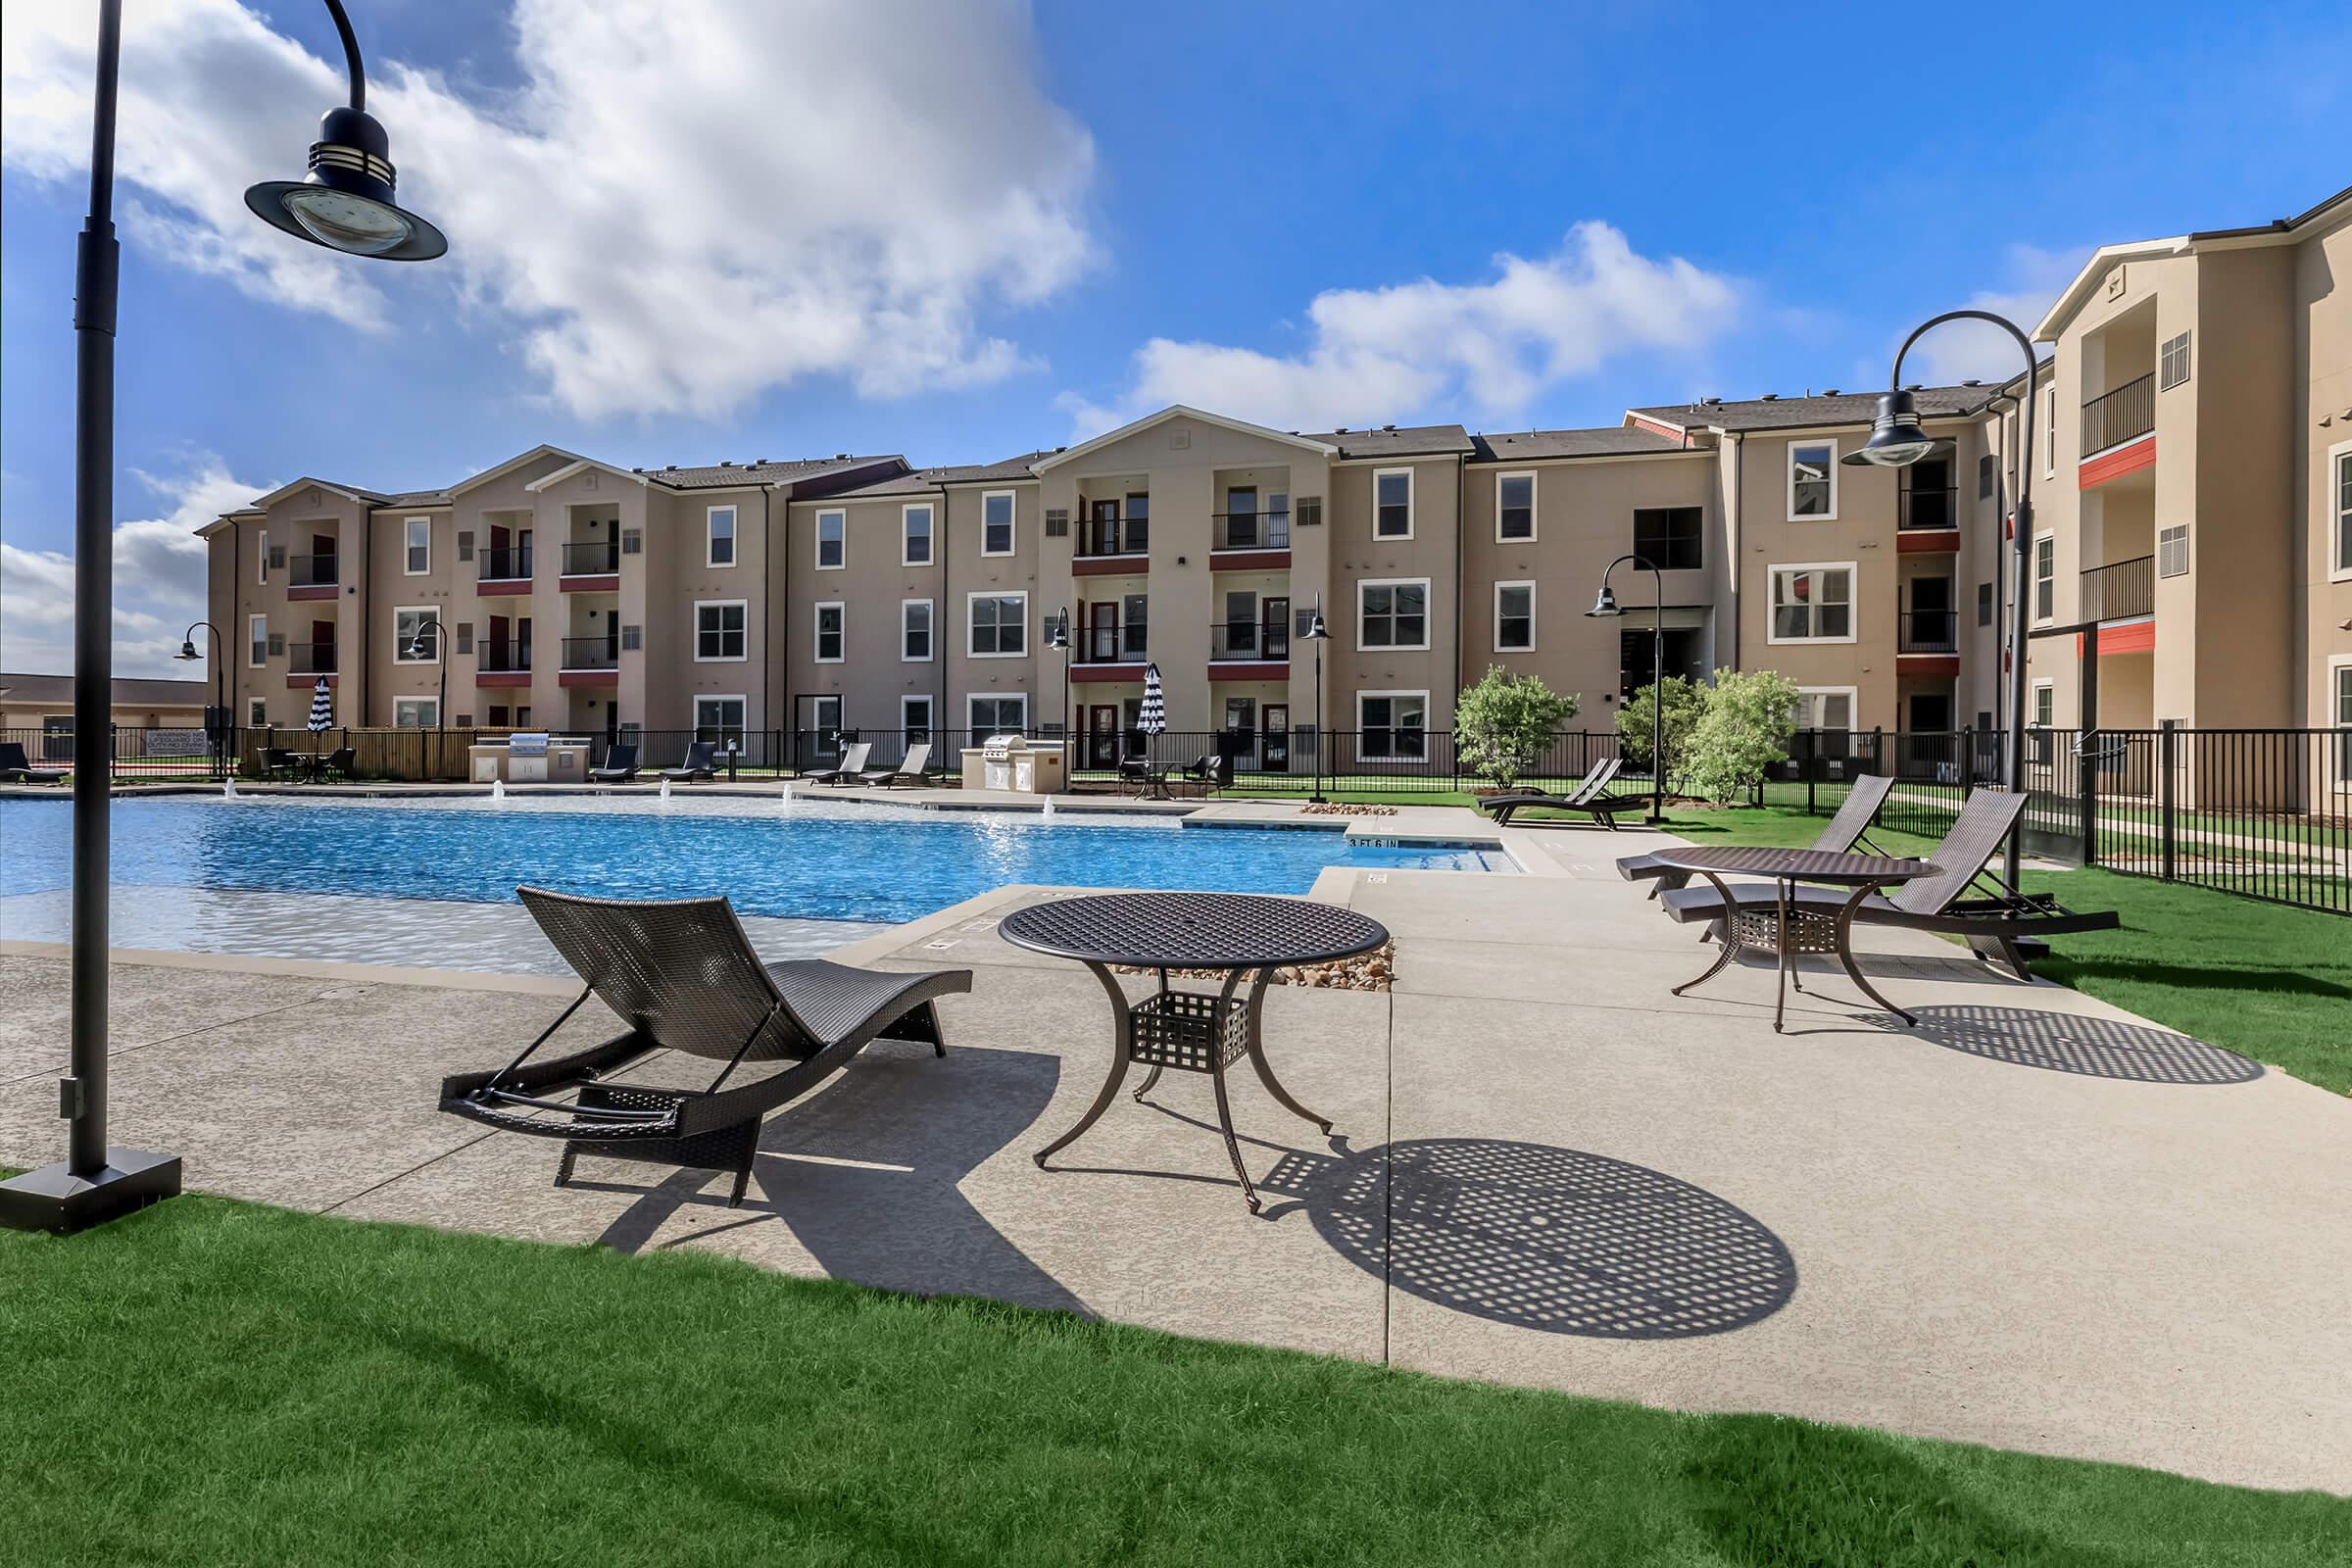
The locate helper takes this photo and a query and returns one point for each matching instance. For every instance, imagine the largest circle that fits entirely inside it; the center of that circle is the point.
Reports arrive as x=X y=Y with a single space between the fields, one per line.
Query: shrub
x=1505 y=722
x=1743 y=730
x=1685 y=700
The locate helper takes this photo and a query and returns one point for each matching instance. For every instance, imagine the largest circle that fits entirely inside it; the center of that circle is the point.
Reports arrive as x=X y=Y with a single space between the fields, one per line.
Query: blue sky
x=1059 y=189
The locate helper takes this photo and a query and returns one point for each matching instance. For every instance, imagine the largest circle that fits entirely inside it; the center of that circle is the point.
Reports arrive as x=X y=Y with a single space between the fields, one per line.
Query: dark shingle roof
x=723 y=475
x=414 y=498
x=1398 y=441
x=926 y=481
x=1791 y=414
x=1615 y=441
x=132 y=691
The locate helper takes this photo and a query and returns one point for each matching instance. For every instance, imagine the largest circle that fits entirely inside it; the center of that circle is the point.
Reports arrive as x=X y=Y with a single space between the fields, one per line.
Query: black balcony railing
x=513 y=562
x=512 y=658
x=1115 y=536
x=592 y=653
x=311 y=571
x=2115 y=417
x=2120 y=590
x=311 y=659
x=1121 y=643
x=1250 y=530
x=1248 y=639
x=1929 y=631
x=1927 y=507
x=596 y=556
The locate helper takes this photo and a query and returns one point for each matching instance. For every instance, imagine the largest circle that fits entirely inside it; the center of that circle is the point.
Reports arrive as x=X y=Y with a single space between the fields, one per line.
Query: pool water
x=872 y=865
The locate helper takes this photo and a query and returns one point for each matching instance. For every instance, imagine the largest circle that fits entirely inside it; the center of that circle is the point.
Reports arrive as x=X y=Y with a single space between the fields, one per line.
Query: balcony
x=506 y=570
x=1930 y=508
x=1111 y=545
x=1247 y=642
x=2121 y=590
x=592 y=655
x=593 y=567
x=2124 y=414
x=1250 y=530
x=504 y=664
x=310 y=576
x=1927 y=631
x=1099 y=646
x=309 y=658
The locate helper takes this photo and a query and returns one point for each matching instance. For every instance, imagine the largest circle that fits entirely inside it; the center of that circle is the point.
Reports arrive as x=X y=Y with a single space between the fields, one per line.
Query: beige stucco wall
x=2322 y=325
x=871 y=583
x=1357 y=556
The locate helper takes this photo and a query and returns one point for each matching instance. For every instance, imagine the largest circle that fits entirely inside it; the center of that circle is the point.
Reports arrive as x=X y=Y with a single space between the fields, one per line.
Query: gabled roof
x=349 y=492
x=1614 y=441
x=728 y=475
x=1807 y=412
x=576 y=465
x=2277 y=231
x=1178 y=411
x=543 y=449
x=1393 y=441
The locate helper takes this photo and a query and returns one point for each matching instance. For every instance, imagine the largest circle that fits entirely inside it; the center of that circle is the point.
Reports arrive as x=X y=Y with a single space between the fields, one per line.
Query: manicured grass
x=211 y=1382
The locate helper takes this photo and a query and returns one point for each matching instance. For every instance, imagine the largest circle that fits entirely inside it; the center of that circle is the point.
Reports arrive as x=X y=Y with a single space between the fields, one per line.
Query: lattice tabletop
x=1798 y=865
x=1193 y=930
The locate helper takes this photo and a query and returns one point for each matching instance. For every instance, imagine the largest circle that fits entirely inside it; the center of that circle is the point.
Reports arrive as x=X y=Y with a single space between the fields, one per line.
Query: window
x=2044 y=707
x=1392 y=614
x=1058 y=523
x=831 y=546
x=914 y=631
x=1671 y=538
x=257 y=632
x=997 y=715
x=632 y=543
x=2049 y=431
x=2340 y=690
x=914 y=720
x=2171 y=552
x=416 y=712
x=1983 y=603
x=1812 y=482
x=719 y=536
x=260 y=559
x=415 y=636
x=2045 y=576
x=2339 y=466
x=721 y=720
x=464 y=547
x=257 y=712
x=417 y=532
x=1514 y=618
x=1813 y=603
x=632 y=639
x=1391 y=726
x=914 y=534
x=718 y=631
x=830 y=637
x=1825 y=707
x=2172 y=362
x=1000 y=624
x=1514 y=507
x=996 y=523
x=1393 y=504
x=1986 y=470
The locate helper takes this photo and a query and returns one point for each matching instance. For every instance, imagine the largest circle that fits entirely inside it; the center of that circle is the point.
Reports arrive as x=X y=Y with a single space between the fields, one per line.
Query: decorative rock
x=1369 y=971
x=1343 y=808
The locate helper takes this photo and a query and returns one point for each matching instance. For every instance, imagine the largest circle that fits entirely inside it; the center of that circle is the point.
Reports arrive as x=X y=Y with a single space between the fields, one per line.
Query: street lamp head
x=346 y=203
x=1316 y=631
x=188 y=651
x=1057 y=639
x=1895 y=439
x=1605 y=606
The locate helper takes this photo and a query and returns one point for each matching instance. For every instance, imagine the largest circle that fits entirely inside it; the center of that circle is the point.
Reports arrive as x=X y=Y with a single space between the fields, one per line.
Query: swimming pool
x=828 y=863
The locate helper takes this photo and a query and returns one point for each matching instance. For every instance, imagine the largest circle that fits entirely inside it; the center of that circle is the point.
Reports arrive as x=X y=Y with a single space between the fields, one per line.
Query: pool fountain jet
x=666 y=791
x=1049 y=813
x=784 y=801
x=498 y=789
x=228 y=788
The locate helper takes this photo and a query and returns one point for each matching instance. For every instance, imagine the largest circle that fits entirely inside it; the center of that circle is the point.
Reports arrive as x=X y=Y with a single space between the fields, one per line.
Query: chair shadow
x=2094 y=1048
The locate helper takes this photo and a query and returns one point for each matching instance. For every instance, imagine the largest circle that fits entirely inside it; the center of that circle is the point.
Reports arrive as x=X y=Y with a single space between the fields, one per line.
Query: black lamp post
x=1896 y=441
x=1059 y=639
x=345 y=203
x=217 y=730
x=1318 y=634
x=440 y=702
x=1606 y=608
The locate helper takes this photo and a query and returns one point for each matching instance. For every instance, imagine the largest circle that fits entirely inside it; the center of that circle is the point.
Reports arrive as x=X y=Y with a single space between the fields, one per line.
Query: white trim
x=2049 y=434
x=2034 y=575
x=2338 y=666
x=509 y=465
x=1788 y=478
x=546 y=480
x=407 y=570
x=260 y=559
x=816 y=631
x=1012 y=522
x=710 y=535
x=252 y=642
x=969 y=698
x=373 y=503
x=1495 y=641
x=817 y=540
x=1533 y=487
x=257 y=712
x=425 y=709
x=972 y=597
x=2339 y=570
x=2094 y=271
x=930 y=725
x=930 y=632
x=930 y=533
x=2034 y=691
x=741 y=729
x=1410 y=488
x=423 y=614
x=701 y=605
x=1853 y=703
x=1427 y=612
x=1176 y=411
x=1772 y=603
x=1393 y=757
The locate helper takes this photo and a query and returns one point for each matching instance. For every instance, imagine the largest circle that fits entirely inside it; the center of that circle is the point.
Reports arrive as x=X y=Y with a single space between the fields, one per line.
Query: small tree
x=1744 y=730
x=1685 y=700
x=1505 y=722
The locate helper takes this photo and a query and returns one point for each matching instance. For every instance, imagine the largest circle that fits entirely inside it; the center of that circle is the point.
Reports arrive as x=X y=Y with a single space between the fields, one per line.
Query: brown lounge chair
x=17 y=768
x=1589 y=796
x=846 y=771
x=1843 y=832
x=914 y=770
x=698 y=765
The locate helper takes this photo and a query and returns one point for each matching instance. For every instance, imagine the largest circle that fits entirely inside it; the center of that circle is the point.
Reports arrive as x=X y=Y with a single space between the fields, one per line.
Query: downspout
x=947 y=606
x=367 y=611
x=768 y=654
x=1732 y=577
x=1461 y=495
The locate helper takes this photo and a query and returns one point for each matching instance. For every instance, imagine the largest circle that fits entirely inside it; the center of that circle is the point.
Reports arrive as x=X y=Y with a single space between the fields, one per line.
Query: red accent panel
x=303 y=683
x=501 y=677
x=589 y=678
x=1932 y=665
x=1926 y=541
x=600 y=583
x=2132 y=637
x=1083 y=674
x=518 y=585
x=1248 y=561
x=1110 y=566
x=315 y=590
x=1280 y=670
x=2141 y=454
x=1655 y=429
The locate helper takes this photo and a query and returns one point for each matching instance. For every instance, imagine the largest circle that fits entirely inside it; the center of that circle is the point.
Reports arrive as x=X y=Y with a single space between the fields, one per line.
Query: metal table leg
x=1788 y=959
x=1265 y=1070
x=1122 y=1033
x=1216 y=1073
x=1845 y=954
x=1730 y=946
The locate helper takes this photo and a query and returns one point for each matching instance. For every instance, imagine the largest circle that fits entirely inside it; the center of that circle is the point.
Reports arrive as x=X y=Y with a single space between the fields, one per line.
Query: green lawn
x=211 y=1382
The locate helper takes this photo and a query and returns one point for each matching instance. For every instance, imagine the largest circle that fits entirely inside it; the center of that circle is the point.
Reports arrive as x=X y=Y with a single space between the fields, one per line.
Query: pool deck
x=2034 y=1221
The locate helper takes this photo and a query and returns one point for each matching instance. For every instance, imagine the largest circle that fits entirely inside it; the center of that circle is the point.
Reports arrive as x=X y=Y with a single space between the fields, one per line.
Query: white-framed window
x=997 y=624
x=1514 y=507
x=257 y=637
x=2339 y=703
x=2172 y=551
x=2045 y=576
x=914 y=534
x=997 y=533
x=718 y=535
x=416 y=712
x=260 y=559
x=914 y=631
x=257 y=712
x=832 y=632
x=1391 y=726
x=832 y=540
x=2043 y=705
x=1813 y=601
x=914 y=718
x=1514 y=618
x=1392 y=503
x=416 y=541
x=2050 y=432
x=2339 y=512
x=1813 y=480
x=414 y=642
x=996 y=713
x=719 y=635
x=721 y=720
x=1825 y=707
x=1391 y=612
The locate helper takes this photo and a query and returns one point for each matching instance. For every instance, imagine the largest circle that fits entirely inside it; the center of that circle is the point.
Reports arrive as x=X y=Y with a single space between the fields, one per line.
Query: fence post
x=1812 y=766
x=2168 y=742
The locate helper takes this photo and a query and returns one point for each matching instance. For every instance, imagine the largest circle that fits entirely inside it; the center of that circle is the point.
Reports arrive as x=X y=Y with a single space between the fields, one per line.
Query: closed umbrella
x=322 y=713
x=1153 y=718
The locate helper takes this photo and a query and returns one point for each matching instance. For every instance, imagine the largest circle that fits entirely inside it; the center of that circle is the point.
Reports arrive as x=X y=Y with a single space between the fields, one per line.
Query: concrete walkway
x=2034 y=1221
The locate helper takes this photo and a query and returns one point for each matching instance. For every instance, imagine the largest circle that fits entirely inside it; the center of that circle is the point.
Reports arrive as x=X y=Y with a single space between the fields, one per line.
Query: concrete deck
x=2034 y=1221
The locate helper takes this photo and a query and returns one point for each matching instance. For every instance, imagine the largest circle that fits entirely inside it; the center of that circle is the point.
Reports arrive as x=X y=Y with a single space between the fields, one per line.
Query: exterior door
x=1931 y=628
x=1278 y=630
x=1103 y=736
x=1274 y=745
x=1241 y=518
x=1102 y=528
x=819 y=726
x=1102 y=632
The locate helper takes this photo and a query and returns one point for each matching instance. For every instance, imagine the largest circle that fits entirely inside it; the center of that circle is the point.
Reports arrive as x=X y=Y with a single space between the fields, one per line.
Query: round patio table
x=1241 y=934
x=1789 y=925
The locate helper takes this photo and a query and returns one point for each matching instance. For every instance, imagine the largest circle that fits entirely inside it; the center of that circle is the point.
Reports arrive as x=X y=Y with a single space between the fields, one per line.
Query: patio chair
x=682 y=977
x=1589 y=796
x=17 y=768
x=1996 y=925
x=700 y=758
x=1209 y=773
x=278 y=761
x=916 y=769
x=853 y=763
x=338 y=761
x=1148 y=781
x=1842 y=832
x=620 y=764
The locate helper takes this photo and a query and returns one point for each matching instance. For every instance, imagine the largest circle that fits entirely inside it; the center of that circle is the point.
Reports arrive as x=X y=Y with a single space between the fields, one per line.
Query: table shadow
x=2096 y=1048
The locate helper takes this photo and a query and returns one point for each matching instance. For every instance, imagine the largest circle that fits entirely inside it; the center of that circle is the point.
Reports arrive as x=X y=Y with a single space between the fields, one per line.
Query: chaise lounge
x=17 y=768
x=700 y=758
x=1844 y=831
x=620 y=764
x=1589 y=796
x=916 y=769
x=682 y=976
x=853 y=763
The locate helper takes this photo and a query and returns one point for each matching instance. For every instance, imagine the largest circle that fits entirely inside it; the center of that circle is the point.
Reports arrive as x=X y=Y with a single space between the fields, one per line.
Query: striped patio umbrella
x=1153 y=718
x=322 y=708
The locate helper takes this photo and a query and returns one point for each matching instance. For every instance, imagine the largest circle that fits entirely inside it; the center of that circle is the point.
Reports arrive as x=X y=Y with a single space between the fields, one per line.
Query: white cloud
x=158 y=582
x=1375 y=354
x=685 y=202
x=2032 y=280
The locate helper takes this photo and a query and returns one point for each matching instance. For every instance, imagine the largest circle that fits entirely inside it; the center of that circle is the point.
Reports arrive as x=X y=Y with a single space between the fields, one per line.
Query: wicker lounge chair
x=1843 y=832
x=682 y=977
x=1590 y=796
x=851 y=763
x=17 y=768
x=1997 y=924
x=620 y=764
x=698 y=764
x=916 y=769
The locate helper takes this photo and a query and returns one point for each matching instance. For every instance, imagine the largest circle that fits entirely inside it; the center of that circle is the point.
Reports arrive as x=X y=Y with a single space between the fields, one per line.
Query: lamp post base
x=55 y=1200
